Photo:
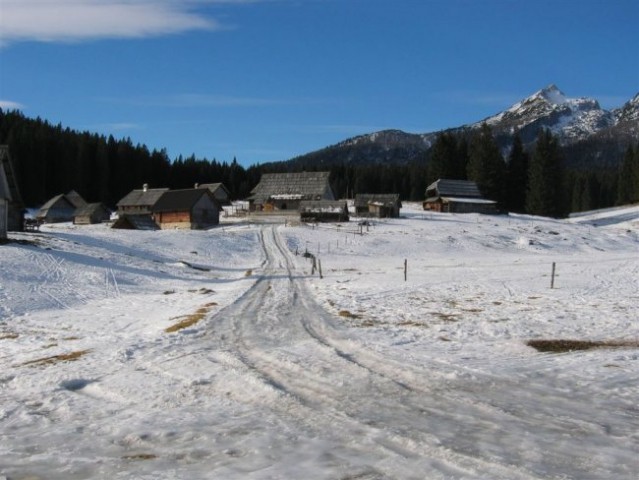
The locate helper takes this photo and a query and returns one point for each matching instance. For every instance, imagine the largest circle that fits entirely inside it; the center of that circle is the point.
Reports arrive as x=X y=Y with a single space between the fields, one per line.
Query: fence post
x=552 y=276
x=405 y=269
x=319 y=264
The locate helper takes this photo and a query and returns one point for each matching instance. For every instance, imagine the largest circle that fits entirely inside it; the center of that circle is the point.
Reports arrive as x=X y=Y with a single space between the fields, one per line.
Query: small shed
x=377 y=205
x=91 y=213
x=457 y=196
x=5 y=198
x=135 y=222
x=285 y=191
x=323 y=211
x=193 y=208
x=58 y=209
x=141 y=201
x=219 y=191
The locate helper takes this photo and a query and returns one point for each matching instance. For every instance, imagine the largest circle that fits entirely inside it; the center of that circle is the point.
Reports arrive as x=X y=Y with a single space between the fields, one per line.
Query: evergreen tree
x=486 y=166
x=628 y=185
x=545 y=178
x=517 y=177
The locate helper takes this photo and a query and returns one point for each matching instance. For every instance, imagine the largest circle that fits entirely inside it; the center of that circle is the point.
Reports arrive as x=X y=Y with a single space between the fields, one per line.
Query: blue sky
x=264 y=80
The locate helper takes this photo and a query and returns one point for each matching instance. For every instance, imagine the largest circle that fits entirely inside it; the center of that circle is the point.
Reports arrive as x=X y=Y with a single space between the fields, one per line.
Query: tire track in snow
x=326 y=389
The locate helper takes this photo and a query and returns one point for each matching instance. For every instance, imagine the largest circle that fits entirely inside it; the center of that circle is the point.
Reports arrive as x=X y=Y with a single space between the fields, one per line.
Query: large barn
x=285 y=191
x=457 y=196
x=61 y=208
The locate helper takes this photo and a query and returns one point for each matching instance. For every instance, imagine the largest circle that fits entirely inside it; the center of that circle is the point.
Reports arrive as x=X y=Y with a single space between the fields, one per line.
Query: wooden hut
x=285 y=191
x=5 y=198
x=193 y=208
x=139 y=202
x=377 y=205
x=91 y=213
x=323 y=211
x=457 y=196
x=16 y=208
x=59 y=209
x=219 y=191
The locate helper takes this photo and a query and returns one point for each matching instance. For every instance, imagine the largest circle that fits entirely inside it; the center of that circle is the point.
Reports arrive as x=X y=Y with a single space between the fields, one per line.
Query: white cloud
x=77 y=20
x=9 y=105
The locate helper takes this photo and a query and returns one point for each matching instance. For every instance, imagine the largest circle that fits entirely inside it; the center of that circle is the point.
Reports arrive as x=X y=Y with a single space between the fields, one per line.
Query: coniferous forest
x=51 y=159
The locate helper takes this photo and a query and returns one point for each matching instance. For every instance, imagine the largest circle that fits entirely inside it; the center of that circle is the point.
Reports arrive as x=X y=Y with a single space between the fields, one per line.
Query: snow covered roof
x=468 y=200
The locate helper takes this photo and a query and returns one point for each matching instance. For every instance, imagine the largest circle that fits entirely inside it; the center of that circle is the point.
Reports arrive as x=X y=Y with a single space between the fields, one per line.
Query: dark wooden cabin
x=193 y=208
x=457 y=196
x=377 y=205
x=91 y=213
x=285 y=191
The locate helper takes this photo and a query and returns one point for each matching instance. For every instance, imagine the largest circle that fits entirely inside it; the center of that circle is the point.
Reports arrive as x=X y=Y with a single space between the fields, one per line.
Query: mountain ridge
x=571 y=120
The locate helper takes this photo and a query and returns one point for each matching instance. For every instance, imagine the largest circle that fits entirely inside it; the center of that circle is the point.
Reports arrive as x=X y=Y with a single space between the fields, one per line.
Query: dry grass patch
x=63 y=357
x=8 y=336
x=562 y=346
x=348 y=314
x=248 y=273
x=446 y=317
x=190 y=320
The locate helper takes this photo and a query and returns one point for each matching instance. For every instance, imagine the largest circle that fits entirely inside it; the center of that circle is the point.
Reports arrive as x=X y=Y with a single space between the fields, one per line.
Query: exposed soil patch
x=347 y=314
x=63 y=357
x=562 y=346
x=190 y=320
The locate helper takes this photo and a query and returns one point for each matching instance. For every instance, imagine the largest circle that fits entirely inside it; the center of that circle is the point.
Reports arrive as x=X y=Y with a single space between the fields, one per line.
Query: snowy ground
x=272 y=372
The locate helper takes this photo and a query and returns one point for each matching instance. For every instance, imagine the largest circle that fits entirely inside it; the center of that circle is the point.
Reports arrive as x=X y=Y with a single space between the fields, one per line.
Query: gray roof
x=142 y=198
x=454 y=188
x=76 y=199
x=306 y=185
x=59 y=201
x=90 y=209
x=181 y=200
x=387 y=199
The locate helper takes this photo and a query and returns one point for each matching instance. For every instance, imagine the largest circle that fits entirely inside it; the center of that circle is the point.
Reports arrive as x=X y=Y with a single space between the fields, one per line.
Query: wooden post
x=313 y=266
x=405 y=269
x=319 y=264
x=552 y=276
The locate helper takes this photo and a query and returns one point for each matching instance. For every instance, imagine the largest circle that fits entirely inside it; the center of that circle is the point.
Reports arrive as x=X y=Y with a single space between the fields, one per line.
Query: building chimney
x=145 y=187
x=197 y=185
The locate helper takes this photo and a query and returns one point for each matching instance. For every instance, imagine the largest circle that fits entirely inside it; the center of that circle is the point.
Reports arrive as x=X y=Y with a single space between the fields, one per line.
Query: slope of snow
x=359 y=374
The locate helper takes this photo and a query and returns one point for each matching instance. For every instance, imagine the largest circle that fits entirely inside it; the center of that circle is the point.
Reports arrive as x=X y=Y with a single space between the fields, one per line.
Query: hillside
x=218 y=354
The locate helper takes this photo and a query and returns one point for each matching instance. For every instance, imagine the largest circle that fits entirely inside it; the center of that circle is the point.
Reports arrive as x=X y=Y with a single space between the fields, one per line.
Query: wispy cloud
x=9 y=105
x=79 y=20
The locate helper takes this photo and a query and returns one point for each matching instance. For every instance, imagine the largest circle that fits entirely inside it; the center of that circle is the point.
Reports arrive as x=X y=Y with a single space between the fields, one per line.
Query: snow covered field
x=217 y=355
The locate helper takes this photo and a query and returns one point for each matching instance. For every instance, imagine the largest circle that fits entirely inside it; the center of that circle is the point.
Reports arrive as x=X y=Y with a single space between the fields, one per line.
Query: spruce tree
x=545 y=177
x=517 y=177
x=486 y=166
x=628 y=185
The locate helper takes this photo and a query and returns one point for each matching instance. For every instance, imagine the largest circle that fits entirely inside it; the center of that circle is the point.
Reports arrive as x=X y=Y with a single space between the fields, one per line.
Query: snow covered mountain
x=572 y=120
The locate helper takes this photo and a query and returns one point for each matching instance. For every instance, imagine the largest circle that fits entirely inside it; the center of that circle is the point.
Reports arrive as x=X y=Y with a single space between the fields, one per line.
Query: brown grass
x=248 y=273
x=63 y=357
x=8 y=336
x=347 y=314
x=190 y=320
x=562 y=346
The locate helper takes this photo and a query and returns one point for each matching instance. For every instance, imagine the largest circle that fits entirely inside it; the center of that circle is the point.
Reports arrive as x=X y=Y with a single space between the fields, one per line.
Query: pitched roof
x=180 y=200
x=455 y=188
x=90 y=209
x=142 y=198
x=53 y=201
x=387 y=199
x=213 y=186
x=76 y=199
x=301 y=185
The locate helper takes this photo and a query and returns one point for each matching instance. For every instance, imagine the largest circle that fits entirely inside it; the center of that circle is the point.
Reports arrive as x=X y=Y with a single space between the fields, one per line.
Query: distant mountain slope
x=573 y=120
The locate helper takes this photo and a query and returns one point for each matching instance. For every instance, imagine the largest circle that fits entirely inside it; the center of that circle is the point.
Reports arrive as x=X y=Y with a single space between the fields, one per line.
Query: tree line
x=50 y=160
